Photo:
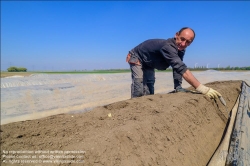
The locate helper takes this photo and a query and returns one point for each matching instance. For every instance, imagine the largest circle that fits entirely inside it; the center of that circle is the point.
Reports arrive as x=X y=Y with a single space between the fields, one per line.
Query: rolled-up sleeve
x=171 y=56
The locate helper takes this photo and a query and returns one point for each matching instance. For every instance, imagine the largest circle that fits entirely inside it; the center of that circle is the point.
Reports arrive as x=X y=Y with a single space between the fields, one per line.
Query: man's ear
x=177 y=34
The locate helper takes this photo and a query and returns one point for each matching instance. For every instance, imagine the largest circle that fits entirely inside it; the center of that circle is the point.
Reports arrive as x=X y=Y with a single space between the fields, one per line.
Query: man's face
x=184 y=39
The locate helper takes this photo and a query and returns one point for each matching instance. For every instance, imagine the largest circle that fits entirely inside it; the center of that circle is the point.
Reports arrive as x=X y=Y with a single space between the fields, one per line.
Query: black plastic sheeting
x=239 y=148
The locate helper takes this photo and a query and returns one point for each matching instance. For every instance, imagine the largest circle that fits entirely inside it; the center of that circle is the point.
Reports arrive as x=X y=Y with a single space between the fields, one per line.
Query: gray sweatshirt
x=160 y=54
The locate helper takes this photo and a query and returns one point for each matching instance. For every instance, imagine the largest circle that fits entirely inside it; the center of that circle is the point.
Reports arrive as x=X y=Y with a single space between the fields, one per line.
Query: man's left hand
x=210 y=92
x=213 y=93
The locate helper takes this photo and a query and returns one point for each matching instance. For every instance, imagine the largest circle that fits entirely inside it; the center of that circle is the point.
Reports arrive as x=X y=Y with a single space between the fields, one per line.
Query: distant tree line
x=198 y=68
x=17 y=69
x=220 y=68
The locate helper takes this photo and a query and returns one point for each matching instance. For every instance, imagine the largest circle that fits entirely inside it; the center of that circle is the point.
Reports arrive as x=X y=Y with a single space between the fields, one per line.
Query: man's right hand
x=180 y=89
x=208 y=91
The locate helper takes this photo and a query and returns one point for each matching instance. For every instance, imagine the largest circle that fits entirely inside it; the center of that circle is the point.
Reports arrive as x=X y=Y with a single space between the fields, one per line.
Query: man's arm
x=172 y=58
x=189 y=77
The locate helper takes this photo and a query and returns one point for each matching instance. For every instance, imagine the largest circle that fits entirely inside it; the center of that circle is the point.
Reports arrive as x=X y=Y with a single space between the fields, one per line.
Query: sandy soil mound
x=163 y=129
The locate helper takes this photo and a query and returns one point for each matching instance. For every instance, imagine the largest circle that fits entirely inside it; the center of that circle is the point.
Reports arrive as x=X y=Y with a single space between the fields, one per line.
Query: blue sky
x=79 y=35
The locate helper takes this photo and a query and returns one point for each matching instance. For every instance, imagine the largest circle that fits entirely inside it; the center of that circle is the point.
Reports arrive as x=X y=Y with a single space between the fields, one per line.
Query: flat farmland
x=9 y=74
x=40 y=95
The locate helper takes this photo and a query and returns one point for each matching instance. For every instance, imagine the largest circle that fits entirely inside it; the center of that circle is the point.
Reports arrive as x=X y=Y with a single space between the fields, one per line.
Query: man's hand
x=208 y=91
x=180 y=89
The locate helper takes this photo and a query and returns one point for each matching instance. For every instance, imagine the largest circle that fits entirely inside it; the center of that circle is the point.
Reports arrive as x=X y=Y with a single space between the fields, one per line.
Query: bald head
x=188 y=29
x=184 y=37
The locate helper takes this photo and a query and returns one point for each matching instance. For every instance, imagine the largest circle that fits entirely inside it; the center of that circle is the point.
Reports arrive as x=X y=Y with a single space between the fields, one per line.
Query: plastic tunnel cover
x=239 y=148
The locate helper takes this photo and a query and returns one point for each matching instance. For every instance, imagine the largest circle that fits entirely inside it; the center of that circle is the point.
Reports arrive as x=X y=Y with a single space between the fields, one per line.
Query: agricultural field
x=94 y=114
x=9 y=74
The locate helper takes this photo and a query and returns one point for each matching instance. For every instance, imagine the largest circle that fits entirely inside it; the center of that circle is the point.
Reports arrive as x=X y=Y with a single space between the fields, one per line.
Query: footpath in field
x=162 y=129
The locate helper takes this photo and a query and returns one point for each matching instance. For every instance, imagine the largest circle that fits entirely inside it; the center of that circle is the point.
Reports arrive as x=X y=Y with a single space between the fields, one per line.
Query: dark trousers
x=143 y=80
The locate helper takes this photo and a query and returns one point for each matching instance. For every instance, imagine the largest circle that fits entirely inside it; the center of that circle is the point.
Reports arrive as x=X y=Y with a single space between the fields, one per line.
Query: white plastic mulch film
x=239 y=148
